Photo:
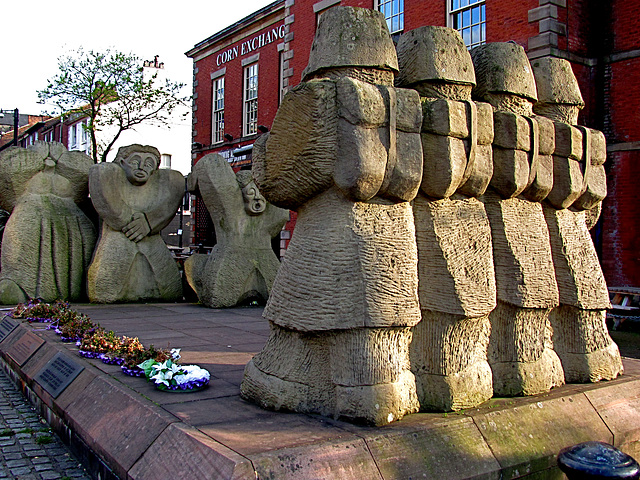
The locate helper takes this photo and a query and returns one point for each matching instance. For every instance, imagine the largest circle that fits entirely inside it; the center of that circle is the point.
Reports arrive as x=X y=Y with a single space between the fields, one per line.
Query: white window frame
x=393 y=11
x=459 y=9
x=217 y=122
x=79 y=137
x=250 y=100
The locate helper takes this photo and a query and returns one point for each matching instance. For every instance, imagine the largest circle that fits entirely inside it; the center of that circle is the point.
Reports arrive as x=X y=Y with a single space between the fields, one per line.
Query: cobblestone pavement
x=30 y=451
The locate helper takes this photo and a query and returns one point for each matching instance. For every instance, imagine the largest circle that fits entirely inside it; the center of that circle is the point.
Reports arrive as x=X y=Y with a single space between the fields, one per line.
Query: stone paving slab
x=138 y=432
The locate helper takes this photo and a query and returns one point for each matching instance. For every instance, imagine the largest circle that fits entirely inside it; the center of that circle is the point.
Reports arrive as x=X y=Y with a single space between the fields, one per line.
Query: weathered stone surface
x=354 y=37
x=306 y=162
x=580 y=279
x=596 y=189
x=348 y=459
x=455 y=266
x=420 y=59
x=449 y=360
x=48 y=240
x=366 y=279
x=521 y=252
x=348 y=284
x=559 y=95
x=135 y=201
x=568 y=182
x=526 y=439
x=242 y=264
x=520 y=351
x=445 y=161
x=581 y=338
x=503 y=68
x=452 y=448
x=184 y=452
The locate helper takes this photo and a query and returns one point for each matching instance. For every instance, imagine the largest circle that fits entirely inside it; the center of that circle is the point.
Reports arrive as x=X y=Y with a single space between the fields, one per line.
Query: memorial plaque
x=24 y=347
x=58 y=373
x=7 y=325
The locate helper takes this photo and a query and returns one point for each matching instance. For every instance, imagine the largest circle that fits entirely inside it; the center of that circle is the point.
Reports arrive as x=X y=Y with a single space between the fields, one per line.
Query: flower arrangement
x=100 y=344
x=137 y=356
x=75 y=328
x=169 y=375
x=37 y=311
x=159 y=365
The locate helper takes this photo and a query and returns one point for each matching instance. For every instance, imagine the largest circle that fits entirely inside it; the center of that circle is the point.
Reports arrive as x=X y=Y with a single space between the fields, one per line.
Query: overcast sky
x=36 y=33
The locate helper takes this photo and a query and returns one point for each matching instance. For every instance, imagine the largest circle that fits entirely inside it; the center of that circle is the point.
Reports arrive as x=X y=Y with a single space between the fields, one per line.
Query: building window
x=79 y=137
x=72 y=138
x=165 y=160
x=468 y=17
x=393 y=11
x=250 y=111
x=218 y=110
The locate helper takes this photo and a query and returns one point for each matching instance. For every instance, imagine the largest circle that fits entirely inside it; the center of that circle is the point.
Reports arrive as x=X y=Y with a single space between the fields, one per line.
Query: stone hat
x=503 y=67
x=434 y=54
x=351 y=37
x=555 y=82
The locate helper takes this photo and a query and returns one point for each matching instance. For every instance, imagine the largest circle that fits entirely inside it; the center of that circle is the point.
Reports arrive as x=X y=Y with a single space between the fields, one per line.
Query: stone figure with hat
x=344 y=152
x=456 y=279
x=520 y=353
x=135 y=201
x=580 y=335
x=242 y=264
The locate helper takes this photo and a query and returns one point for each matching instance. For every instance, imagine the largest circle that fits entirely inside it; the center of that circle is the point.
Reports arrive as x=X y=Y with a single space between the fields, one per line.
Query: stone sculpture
x=455 y=262
x=48 y=240
x=135 y=201
x=242 y=264
x=520 y=351
x=344 y=152
x=580 y=335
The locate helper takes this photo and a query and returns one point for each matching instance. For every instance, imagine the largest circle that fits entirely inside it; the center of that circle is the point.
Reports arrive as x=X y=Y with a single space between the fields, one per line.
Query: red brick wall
x=626 y=25
x=268 y=85
x=621 y=228
x=508 y=20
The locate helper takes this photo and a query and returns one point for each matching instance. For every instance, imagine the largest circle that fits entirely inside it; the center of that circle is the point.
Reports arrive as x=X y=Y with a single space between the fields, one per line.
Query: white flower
x=191 y=373
x=159 y=378
x=175 y=354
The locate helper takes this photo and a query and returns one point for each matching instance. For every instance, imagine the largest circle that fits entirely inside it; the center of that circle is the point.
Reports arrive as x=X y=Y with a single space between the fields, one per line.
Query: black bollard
x=597 y=460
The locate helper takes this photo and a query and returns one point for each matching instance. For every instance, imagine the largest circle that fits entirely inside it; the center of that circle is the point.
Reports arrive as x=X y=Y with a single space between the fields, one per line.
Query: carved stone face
x=254 y=202
x=138 y=167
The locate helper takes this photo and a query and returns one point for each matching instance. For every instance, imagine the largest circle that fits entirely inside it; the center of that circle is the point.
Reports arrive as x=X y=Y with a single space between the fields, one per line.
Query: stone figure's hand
x=137 y=228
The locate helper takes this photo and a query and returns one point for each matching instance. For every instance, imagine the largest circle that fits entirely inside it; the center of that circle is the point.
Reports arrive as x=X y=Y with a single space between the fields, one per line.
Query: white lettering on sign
x=251 y=45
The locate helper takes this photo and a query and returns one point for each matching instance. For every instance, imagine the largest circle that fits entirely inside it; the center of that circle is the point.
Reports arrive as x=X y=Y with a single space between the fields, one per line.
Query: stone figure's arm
x=17 y=167
x=215 y=180
x=106 y=182
x=74 y=166
x=297 y=160
x=169 y=188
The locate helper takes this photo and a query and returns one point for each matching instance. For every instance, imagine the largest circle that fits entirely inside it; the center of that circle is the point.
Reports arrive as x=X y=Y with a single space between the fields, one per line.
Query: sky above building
x=34 y=35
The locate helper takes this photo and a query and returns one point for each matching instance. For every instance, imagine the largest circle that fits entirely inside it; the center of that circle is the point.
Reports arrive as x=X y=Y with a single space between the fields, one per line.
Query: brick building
x=241 y=73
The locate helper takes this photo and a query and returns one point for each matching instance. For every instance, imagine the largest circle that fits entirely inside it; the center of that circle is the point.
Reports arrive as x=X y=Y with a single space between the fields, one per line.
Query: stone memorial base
x=124 y=428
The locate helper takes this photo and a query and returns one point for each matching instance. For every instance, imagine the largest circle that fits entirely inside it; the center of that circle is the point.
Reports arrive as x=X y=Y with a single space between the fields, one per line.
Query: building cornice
x=232 y=29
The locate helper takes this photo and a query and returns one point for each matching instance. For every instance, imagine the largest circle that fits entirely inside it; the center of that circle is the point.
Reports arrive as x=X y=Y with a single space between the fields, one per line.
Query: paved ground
x=219 y=422
x=29 y=449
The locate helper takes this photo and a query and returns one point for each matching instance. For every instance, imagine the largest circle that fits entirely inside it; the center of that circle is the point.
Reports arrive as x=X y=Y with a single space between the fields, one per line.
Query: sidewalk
x=138 y=432
x=29 y=449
